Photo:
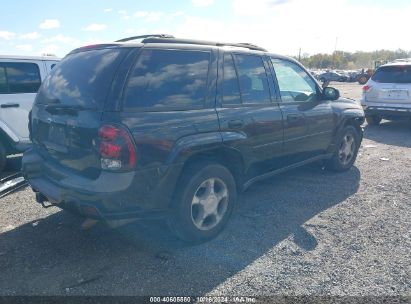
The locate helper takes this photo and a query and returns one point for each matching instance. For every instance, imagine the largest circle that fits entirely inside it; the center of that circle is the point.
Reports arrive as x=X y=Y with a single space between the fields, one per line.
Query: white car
x=20 y=78
x=387 y=94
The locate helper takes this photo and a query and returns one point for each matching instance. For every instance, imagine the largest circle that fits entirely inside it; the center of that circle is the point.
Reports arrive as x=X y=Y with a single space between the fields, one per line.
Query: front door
x=19 y=82
x=308 y=121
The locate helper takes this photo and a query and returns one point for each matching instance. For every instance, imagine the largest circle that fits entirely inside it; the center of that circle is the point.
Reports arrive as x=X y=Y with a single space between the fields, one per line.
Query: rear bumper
x=137 y=194
x=388 y=112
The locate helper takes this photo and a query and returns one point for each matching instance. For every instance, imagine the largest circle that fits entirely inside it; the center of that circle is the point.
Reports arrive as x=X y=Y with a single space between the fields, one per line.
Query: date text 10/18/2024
x=219 y=299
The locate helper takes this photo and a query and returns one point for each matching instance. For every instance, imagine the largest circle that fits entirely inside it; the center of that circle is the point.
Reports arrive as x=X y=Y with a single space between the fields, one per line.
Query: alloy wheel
x=209 y=204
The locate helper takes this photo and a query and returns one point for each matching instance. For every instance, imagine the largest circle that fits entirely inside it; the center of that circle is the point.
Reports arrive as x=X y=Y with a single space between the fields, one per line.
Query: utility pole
x=335 y=50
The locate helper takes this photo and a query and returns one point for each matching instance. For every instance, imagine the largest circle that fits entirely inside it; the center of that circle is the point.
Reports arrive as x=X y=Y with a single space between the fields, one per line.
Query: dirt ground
x=305 y=232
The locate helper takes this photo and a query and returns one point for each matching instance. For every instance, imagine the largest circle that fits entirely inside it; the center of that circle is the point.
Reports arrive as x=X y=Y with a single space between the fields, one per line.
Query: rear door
x=250 y=119
x=308 y=121
x=168 y=103
x=19 y=82
x=68 y=108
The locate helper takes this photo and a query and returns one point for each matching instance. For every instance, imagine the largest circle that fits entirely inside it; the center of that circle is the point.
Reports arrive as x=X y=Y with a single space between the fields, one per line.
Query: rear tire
x=373 y=120
x=362 y=80
x=346 y=151
x=205 y=198
x=3 y=157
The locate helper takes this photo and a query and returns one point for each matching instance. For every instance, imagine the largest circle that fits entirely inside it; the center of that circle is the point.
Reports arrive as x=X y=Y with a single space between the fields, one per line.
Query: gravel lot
x=306 y=232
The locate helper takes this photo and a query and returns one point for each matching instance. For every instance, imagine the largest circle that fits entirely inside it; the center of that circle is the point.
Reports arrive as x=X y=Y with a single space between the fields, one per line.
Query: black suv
x=175 y=128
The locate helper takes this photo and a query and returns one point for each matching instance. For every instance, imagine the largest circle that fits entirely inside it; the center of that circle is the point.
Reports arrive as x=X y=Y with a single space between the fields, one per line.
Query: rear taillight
x=366 y=88
x=116 y=148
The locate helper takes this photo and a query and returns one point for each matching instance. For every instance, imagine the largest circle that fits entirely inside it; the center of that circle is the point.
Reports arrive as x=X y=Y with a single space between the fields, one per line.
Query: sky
x=282 y=26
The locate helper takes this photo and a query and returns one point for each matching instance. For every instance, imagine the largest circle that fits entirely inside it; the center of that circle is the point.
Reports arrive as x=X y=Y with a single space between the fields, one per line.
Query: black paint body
x=252 y=140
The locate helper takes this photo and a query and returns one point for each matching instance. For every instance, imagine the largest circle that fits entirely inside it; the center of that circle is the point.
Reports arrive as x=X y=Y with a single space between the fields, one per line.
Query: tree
x=347 y=60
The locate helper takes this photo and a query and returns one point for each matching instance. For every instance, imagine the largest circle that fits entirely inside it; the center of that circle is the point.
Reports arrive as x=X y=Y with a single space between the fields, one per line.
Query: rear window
x=174 y=79
x=81 y=79
x=393 y=74
x=19 y=77
x=253 y=79
x=231 y=89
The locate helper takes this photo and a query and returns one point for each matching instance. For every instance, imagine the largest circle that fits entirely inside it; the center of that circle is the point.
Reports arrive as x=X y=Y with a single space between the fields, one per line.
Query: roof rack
x=145 y=36
x=165 y=38
x=402 y=60
x=152 y=39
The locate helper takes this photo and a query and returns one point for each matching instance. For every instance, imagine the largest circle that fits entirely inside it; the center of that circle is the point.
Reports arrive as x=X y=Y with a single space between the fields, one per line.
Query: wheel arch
x=347 y=118
x=225 y=156
x=356 y=122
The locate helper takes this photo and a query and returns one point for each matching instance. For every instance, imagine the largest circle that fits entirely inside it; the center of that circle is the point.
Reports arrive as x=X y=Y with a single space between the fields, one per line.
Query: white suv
x=387 y=94
x=20 y=78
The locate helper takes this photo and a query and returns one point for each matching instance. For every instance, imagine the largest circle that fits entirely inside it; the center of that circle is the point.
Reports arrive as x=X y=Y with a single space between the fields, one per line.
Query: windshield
x=81 y=79
x=393 y=74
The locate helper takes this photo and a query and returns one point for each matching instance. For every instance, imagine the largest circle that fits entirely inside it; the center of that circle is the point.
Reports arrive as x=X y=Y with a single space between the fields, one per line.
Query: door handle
x=10 y=105
x=294 y=117
x=236 y=123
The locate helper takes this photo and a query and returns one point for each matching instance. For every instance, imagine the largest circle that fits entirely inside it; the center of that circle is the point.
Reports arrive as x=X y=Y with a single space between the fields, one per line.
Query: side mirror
x=330 y=93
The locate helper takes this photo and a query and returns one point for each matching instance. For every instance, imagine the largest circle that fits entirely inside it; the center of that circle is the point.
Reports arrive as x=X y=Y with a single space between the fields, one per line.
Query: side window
x=253 y=79
x=294 y=83
x=168 y=78
x=3 y=81
x=23 y=77
x=231 y=90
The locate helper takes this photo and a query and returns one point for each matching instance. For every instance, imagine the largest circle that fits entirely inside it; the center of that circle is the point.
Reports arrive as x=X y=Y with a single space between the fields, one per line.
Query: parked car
x=20 y=78
x=387 y=94
x=175 y=128
x=353 y=76
x=315 y=74
x=332 y=76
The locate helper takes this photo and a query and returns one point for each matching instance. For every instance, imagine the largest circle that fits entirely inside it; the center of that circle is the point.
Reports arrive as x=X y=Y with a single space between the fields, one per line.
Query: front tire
x=373 y=120
x=346 y=150
x=204 y=201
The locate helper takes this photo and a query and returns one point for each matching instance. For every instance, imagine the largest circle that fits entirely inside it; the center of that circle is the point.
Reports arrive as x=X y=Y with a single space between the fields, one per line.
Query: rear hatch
x=67 y=112
x=390 y=84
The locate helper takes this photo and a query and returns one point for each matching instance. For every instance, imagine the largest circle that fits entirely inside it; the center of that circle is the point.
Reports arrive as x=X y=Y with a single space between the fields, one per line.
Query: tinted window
x=253 y=79
x=3 y=81
x=231 y=90
x=81 y=79
x=294 y=83
x=168 y=78
x=16 y=77
x=393 y=74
